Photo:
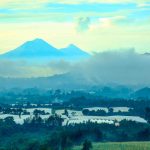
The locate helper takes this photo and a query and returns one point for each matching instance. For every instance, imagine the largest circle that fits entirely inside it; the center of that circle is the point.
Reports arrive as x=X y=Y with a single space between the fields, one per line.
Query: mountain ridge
x=39 y=48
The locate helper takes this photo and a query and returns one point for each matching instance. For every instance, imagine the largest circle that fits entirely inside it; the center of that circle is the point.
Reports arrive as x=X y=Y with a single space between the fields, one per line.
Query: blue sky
x=93 y=25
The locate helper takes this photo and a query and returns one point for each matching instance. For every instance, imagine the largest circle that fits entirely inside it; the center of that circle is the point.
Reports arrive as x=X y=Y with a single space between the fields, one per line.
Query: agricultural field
x=119 y=146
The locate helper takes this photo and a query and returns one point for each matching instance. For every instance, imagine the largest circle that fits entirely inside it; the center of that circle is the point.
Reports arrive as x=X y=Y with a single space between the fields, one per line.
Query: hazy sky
x=93 y=25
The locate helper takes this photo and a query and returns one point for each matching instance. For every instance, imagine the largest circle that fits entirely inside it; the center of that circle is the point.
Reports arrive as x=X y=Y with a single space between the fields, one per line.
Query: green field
x=119 y=146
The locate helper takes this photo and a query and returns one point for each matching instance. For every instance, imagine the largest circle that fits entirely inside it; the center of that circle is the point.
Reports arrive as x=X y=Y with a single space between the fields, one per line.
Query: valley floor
x=119 y=146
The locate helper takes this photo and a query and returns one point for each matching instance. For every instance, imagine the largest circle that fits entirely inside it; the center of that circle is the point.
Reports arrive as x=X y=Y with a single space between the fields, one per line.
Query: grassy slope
x=119 y=146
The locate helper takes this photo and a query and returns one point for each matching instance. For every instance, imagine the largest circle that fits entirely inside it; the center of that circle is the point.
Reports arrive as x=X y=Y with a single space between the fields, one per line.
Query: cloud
x=109 y=22
x=104 y=1
x=83 y=24
x=124 y=67
x=39 y=3
x=101 y=1
x=45 y=5
x=141 y=5
x=11 y=69
x=18 y=69
x=21 y=4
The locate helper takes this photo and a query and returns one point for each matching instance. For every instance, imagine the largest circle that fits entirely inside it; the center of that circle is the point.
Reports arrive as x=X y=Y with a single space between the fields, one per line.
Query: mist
x=124 y=67
x=121 y=67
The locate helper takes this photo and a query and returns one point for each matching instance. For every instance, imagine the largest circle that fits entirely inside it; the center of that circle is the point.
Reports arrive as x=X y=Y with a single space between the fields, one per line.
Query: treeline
x=107 y=102
x=21 y=111
x=35 y=95
x=110 y=112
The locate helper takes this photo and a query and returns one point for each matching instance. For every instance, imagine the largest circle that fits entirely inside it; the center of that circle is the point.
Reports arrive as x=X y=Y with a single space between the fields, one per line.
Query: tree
x=85 y=112
x=98 y=134
x=65 y=141
x=54 y=121
x=54 y=141
x=144 y=135
x=28 y=104
x=147 y=114
x=110 y=111
x=36 y=113
x=87 y=145
x=123 y=136
x=9 y=121
x=33 y=145
x=66 y=112
x=53 y=112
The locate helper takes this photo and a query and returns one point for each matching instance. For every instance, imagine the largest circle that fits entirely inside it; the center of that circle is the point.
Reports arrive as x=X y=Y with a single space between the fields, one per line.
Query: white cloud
x=108 y=22
x=141 y=5
x=83 y=24
x=98 y=1
x=31 y=4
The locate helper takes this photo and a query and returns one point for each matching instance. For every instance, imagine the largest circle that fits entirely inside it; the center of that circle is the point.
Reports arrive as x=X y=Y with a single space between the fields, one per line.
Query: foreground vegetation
x=49 y=134
x=119 y=146
x=39 y=133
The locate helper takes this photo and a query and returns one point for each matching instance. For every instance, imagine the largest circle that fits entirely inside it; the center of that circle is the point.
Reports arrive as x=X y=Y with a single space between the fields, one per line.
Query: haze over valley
x=36 y=63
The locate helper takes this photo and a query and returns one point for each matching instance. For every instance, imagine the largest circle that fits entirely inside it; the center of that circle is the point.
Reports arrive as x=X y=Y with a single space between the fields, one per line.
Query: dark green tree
x=87 y=145
x=147 y=114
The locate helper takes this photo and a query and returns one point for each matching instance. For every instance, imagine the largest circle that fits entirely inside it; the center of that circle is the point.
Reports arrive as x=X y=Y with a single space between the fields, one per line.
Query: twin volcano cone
x=39 y=48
